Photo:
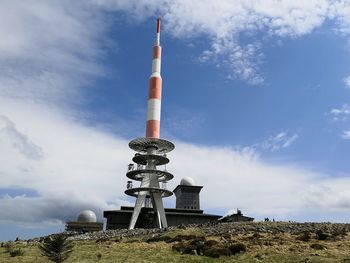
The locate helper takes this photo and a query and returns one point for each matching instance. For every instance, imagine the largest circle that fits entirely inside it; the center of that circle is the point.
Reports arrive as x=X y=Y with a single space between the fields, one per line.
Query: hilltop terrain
x=225 y=242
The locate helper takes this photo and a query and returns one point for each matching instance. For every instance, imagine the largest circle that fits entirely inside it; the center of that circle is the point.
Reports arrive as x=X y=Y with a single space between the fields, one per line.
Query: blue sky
x=255 y=96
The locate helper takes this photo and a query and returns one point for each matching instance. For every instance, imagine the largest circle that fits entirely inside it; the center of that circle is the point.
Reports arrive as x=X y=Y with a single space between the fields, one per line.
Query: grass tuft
x=16 y=252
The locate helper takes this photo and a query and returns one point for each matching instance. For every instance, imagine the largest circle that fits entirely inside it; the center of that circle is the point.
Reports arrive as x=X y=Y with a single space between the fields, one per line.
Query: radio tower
x=151 y=151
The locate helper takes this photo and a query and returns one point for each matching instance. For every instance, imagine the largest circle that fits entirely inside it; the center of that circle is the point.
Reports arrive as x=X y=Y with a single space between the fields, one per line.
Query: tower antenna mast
x=151 y=150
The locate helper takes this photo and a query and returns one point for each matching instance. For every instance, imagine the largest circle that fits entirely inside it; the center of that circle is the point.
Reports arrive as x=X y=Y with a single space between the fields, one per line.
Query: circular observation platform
x=135 y=191
x=143 y=144
x=145 y=158
x=138 y=175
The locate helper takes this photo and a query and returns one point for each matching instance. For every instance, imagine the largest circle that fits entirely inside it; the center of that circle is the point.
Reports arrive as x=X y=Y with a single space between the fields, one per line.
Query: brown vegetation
x=248 y=243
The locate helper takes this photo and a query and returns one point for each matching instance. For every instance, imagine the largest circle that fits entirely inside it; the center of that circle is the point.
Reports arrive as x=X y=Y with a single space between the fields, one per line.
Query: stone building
x=236 y=217
x=187 y=194
x=86 y=222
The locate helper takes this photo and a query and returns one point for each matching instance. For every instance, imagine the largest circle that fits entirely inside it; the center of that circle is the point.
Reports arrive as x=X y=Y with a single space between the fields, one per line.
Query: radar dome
x=187 y=181
x=87 y=216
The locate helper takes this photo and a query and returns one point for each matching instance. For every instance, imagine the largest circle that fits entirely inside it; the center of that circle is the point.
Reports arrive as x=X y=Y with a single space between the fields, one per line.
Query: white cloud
x=10 y=137
x=243 y=60
x=69 y=33
x=82 y=167
x=280 y=141
x=347 y=82
x=341 y=113
x=346 y=135
x=331 y=194
x=50 y=49
x=53 y=50
x=236 y=179
x=341 y=11
x=74 y=166
x=185 y=123
x=226 y=23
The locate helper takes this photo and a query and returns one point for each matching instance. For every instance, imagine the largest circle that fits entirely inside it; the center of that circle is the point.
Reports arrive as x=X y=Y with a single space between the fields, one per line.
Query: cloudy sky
x=256 y=97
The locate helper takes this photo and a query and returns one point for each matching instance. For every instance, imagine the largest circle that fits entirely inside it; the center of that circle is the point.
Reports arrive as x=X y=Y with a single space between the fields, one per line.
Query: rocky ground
x=270 y=242
x=221 y=229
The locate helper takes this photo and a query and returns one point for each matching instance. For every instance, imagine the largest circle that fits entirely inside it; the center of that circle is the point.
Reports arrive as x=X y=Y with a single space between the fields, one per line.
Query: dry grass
x=271 y=248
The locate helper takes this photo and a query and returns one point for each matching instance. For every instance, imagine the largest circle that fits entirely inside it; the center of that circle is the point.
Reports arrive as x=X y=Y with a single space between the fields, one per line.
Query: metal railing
x=131 y=167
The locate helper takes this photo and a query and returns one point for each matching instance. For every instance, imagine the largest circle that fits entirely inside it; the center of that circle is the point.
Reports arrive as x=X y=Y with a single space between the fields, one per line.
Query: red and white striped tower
x=155 y=90
x=151 y=151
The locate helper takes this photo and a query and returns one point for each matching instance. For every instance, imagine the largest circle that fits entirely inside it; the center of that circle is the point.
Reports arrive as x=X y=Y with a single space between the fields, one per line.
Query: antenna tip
x=158 y=25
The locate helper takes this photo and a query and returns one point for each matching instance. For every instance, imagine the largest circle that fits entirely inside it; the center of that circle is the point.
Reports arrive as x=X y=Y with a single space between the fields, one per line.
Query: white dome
x=87 y=216
x=187 y=181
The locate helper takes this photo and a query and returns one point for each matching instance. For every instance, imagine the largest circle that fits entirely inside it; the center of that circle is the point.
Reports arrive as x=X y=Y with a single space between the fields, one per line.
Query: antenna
x=151 y=151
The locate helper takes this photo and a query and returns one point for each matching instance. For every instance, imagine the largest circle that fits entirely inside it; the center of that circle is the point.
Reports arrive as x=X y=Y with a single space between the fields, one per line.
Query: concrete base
x=119 y=219
x=84 y=227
